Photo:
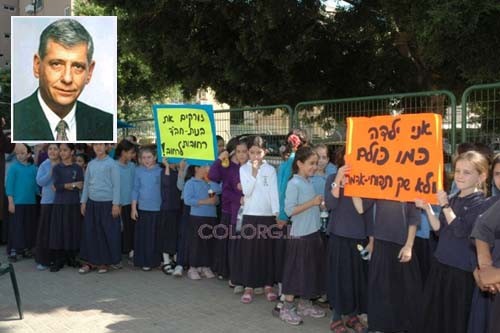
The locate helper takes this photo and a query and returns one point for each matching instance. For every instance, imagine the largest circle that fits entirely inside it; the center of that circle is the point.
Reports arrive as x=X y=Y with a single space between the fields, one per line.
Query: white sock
x=131 y=254
x=166 y=258
x=279 y=288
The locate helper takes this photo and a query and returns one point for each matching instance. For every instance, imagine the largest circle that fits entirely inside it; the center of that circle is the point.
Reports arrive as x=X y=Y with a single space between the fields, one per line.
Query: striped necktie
x=61 y=128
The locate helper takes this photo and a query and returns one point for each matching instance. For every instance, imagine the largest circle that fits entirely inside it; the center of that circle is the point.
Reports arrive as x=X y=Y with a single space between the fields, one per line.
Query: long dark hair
x=30 y=160
x=122 y=146
x=302 y=154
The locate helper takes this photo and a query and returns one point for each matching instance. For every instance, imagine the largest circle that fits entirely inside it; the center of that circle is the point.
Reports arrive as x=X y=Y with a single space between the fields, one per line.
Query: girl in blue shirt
x=21 y=190
x=146 y=203
x=101 y=242
x=44 y=179
x=202 y=200
x=304 y=269
x=124 y=153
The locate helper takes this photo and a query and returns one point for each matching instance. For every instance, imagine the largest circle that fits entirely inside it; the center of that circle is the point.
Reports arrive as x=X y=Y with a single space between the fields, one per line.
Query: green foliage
x=5 y=95
x=259 y=52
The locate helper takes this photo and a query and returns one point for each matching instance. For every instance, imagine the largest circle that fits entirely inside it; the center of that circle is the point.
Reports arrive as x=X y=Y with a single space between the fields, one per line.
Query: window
x=9 y=8
x=67 y=11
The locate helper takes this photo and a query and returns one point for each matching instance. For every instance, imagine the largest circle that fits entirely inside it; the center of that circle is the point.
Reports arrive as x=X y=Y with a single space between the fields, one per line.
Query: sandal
x=338 y=327
x=247 y=298
x=85 y=269
x=270 y=294
x=102 y=270
x=354 y=324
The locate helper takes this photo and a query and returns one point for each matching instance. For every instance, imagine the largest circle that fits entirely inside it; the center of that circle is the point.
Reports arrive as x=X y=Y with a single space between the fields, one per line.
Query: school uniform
x=347 y=272
x=394 y=288
x=182 y=235
x=225 y=254
x=44 y=180
x=101 y=232
x=23 y=224
x=304 y=268
x=486 y=306
x=66 y=221
x=170 y=215
x=450 y=284
x=201 y=221
x=256 y=267
x=147 y=193
x=127 y=172
x=424 y=245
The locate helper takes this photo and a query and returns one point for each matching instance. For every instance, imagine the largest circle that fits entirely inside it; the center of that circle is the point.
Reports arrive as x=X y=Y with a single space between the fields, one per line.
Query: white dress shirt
x=261 y=192
x=54 y=119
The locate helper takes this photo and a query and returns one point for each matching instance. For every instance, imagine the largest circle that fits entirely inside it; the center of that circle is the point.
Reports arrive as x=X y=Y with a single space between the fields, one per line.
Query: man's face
x=62 y=75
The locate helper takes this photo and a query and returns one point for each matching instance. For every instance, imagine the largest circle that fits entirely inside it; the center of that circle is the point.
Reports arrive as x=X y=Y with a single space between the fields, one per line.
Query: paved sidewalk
x=130 y=300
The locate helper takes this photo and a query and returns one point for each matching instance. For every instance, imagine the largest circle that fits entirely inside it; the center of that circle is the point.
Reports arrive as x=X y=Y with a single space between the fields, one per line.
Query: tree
x=258 y=52
x=5 y=95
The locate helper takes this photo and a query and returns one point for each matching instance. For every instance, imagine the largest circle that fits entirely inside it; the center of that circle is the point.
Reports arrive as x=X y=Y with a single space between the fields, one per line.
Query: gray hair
x=68 y=33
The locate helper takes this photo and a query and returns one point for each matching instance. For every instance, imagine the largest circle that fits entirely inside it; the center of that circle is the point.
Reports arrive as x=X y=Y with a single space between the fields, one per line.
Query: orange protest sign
x=395 y=157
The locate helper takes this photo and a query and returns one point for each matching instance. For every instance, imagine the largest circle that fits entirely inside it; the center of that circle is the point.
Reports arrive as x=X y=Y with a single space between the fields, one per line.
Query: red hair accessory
x=294 y=140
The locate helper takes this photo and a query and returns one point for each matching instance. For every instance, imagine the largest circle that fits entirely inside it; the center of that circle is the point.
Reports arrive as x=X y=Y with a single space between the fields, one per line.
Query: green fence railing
x=480 y=115
x=325 y=120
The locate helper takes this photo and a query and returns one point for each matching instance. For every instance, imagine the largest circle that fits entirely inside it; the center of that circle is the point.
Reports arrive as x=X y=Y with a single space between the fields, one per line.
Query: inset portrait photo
x=64 y=78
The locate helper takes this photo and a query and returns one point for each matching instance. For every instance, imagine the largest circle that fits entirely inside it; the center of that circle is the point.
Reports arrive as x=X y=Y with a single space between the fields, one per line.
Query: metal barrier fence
x=480 y=116
x=271 y=122
x=325 y=120
x=143 y=129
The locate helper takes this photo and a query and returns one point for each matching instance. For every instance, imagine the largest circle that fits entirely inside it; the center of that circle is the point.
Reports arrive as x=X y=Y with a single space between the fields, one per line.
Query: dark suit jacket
x=30 y=123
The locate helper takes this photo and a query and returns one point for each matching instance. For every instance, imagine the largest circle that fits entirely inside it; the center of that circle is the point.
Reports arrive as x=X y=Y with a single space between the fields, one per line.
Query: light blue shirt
x=298 y=192
x=330 y=169
x=424 y=228
x=194 y=190
x=127 y=173
x=21 y=183
x=44 y=179
x=147 y=191
x=102 y=181
x=318 y=181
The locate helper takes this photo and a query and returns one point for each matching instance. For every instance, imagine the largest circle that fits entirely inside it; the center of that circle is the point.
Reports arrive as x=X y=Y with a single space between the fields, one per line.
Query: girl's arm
x=275 y=200
x=133 y=210
x=247 y=180
x=484 y=258
x=44 y=174
x=181 y=178
x=331 y=202
x=406 y=251
x=431 y=215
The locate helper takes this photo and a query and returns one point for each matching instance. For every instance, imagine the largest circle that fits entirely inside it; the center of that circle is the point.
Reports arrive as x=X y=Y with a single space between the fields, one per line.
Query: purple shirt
x=230 y=178
x=63 y=174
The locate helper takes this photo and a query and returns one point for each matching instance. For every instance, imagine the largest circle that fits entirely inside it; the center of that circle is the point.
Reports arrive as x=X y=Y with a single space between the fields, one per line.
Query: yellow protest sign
x=395 y=157
x=185 y=132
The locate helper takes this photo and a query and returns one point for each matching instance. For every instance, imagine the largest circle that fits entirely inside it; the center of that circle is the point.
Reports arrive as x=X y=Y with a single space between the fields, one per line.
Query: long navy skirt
x=256 y=253
x=65 y=227
x=221 y=234
x=23 y=225
x=480 y=311
x=183 y=240
x=201 y=242
x=128 y=229
x=394 y=291
x=447 y=299
x=42 y=253
x=304 y=269
x=280 y=245
x=168 y=229
x=347 y=284
x=146 y=252
x=100 y=243
x=494 y=325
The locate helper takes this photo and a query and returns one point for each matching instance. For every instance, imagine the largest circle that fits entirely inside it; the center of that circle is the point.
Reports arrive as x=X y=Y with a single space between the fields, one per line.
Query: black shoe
x=54 y=269
x=276 y=309
x=27 y=254
x=12 y=258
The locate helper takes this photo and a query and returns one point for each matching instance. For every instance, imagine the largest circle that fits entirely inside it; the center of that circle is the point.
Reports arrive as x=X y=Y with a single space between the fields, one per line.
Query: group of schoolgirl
x=396 y=291
x=396 y=295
